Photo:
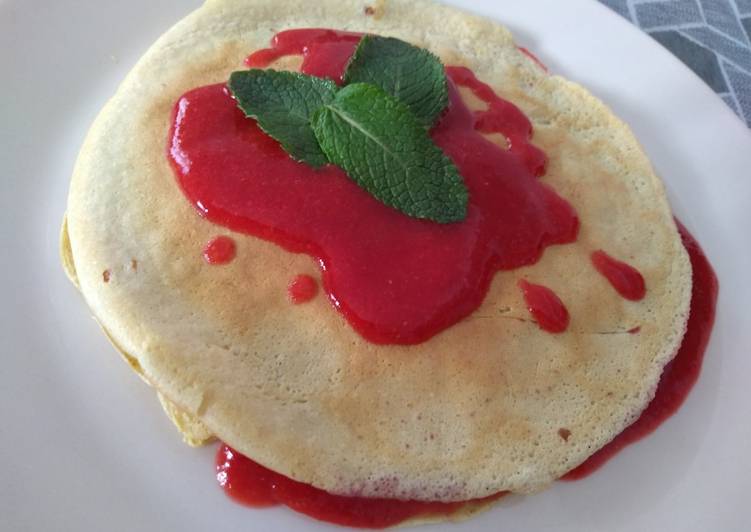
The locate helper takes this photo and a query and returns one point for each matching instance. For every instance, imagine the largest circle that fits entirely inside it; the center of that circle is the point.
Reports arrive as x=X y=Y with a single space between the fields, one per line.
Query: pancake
x=194 y=432
x=477 y=409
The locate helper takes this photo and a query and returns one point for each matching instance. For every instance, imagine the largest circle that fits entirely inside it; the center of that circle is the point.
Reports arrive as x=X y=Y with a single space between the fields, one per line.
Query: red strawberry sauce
x=626 y=279
x=396 y=279
x=546 y=308
x=302 y=288
x=219 y=250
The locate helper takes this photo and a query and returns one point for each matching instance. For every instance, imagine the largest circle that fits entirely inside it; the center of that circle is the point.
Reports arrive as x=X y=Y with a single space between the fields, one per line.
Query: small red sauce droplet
x=634 y=330
x=564 y=434
x=250 y=483
x=625 y=278
x=533 y=57
x=106 y=276
x=219 y=250
x=546 y=307
x=303 y=288
x=680 y=375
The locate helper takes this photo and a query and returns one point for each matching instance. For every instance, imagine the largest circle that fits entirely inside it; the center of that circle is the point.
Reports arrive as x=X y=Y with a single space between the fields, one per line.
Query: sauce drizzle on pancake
x=626 y=279
x=396 y=279
x=325 y=52
x=533 y=57
x=545 y=306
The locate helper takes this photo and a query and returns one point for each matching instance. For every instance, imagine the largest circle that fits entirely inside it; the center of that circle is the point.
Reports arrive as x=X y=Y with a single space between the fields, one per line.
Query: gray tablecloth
x=713 y=37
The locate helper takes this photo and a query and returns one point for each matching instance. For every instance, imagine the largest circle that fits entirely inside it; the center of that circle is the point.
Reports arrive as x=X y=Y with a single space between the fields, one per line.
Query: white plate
x=85 y=446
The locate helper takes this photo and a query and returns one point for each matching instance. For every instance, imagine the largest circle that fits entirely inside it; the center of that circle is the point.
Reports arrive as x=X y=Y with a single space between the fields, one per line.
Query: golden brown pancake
x=476 y=409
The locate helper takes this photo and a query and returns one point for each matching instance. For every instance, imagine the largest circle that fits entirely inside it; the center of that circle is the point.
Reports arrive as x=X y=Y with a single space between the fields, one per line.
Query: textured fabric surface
x=713 y=37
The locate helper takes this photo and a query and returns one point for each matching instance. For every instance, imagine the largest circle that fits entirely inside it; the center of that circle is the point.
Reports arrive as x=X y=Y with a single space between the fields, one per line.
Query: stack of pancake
x=477 y=409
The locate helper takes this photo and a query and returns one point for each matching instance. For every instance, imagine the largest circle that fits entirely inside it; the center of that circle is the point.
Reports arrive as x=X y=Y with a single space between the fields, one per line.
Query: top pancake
x=474 y=410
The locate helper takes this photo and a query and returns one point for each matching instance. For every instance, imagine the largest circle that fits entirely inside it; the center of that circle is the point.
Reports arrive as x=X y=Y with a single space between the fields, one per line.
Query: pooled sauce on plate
x=254 y=485
x=390 y=289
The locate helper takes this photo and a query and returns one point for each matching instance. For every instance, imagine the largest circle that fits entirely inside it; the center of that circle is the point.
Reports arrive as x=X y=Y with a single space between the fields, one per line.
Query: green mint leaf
x=410 y=74
x=381 y=145
x=282 y=104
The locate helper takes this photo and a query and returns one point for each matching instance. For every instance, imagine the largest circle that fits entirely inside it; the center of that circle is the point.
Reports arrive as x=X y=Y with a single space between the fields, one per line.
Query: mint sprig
x=282 y=104
x=384 y=149
x=375 y=128
x=413 y=75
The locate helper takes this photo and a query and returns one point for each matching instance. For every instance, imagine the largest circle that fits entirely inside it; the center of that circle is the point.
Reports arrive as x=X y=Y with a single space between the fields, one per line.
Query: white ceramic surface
x=84 y=445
